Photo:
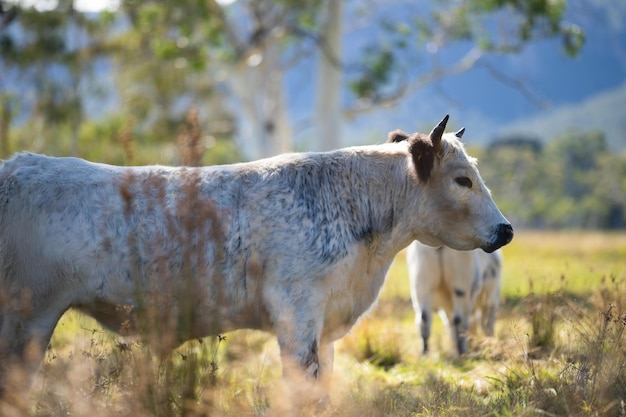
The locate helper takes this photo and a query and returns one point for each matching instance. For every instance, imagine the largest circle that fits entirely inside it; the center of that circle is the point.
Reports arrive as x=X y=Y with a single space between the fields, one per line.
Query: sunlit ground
x=554 y=353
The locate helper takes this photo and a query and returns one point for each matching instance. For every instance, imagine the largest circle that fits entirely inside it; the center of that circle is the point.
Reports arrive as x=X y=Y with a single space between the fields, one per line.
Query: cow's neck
x=388 y=208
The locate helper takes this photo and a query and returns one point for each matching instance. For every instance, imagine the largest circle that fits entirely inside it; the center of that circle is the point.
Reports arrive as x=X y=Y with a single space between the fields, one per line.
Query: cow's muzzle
x=503 y=235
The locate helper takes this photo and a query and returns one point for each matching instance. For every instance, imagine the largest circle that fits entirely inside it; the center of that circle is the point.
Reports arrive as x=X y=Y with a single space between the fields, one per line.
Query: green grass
x=576 y=262
x=558 y=350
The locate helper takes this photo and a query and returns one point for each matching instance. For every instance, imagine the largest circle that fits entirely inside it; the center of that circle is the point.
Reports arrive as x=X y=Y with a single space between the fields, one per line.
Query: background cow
x=297 y=244
x=464 y=286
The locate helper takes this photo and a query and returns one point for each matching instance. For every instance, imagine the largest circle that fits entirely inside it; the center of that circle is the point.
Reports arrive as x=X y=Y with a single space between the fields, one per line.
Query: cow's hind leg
x=424 y=320
x=488 y=321
x=23 y=343
x=460 y=326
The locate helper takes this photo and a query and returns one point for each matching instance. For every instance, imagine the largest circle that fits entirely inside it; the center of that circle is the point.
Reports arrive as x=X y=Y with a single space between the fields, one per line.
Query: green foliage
x=575 y=181
x=379 y=65
x=167 y=57
x=441 y=24
x=527 y=20
x=157 y=51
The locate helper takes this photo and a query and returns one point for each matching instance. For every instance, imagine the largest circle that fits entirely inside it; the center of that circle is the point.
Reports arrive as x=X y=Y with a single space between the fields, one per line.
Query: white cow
x=298 y=244
x=464 y=286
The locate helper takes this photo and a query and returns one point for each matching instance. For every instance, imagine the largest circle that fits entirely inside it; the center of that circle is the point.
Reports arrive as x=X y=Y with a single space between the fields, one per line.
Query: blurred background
x=540 y=86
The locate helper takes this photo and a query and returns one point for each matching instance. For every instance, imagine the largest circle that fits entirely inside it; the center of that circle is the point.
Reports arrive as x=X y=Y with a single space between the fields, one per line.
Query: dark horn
x=442 y=124
x=437 y=132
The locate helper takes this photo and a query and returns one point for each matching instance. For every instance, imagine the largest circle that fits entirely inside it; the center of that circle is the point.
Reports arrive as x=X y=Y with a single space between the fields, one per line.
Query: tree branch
x=471 y=60
x=226 y=27
x=516 y=84
x=7 y=16
x=468 y=61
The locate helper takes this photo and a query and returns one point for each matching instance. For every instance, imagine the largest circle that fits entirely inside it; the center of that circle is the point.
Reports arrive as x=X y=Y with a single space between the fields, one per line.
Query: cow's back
x=86 y=234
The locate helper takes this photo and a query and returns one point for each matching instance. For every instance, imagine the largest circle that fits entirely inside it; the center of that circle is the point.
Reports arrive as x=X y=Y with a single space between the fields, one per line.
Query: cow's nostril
x=505 y=233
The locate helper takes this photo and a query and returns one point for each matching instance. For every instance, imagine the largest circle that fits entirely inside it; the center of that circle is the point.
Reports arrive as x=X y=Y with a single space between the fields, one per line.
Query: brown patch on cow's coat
x=168 y=260
x=126 y=192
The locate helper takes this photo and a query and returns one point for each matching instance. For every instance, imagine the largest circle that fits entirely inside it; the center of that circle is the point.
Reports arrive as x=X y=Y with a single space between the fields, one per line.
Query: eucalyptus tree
x=220 y=59
x=47 y=59
x=263 y=41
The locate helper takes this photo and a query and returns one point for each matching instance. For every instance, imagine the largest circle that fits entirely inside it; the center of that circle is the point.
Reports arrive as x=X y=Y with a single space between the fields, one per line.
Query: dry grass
x=558 y=350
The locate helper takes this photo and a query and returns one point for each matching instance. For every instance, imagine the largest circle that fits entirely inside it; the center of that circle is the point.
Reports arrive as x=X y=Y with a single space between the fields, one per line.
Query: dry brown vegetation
x=558 y=351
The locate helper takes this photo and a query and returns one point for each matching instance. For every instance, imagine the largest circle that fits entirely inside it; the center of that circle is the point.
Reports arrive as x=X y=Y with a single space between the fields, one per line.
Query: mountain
x=605 y=111
x=540 y=91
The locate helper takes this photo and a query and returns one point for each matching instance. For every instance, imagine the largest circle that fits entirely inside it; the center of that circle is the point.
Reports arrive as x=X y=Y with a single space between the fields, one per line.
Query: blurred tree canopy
x=184 y=76
x=575 y=181
x=158 y=60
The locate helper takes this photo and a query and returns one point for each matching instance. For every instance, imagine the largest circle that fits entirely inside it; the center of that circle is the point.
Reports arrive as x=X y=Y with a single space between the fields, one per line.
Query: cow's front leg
x=306 y=364
x=462 y=310
x=327 y=357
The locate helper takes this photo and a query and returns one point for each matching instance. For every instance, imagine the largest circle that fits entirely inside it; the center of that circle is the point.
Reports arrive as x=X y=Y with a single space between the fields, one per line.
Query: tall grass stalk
x=556 y=352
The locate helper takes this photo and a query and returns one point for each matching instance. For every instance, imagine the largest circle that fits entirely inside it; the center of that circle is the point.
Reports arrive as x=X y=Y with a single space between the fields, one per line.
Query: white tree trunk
x=328 y=97
x=265 y=129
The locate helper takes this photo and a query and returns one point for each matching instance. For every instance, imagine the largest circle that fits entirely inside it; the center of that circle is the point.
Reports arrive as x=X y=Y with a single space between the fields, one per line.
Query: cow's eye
x=464 y=182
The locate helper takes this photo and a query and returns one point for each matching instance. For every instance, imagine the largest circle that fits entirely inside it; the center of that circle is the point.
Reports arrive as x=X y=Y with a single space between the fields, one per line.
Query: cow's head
x=455 y=207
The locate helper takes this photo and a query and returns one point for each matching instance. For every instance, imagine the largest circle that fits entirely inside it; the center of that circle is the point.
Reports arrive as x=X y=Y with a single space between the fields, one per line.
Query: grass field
x=559 y=350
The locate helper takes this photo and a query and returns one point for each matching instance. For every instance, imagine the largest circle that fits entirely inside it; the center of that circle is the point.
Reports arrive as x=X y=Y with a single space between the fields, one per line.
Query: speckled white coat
x=462 y=285
x=297 y=244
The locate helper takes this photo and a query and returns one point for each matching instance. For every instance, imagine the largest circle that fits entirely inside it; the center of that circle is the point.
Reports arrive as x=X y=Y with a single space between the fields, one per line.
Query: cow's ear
x=396 y=136
x=436 y=134
x=423 y=153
